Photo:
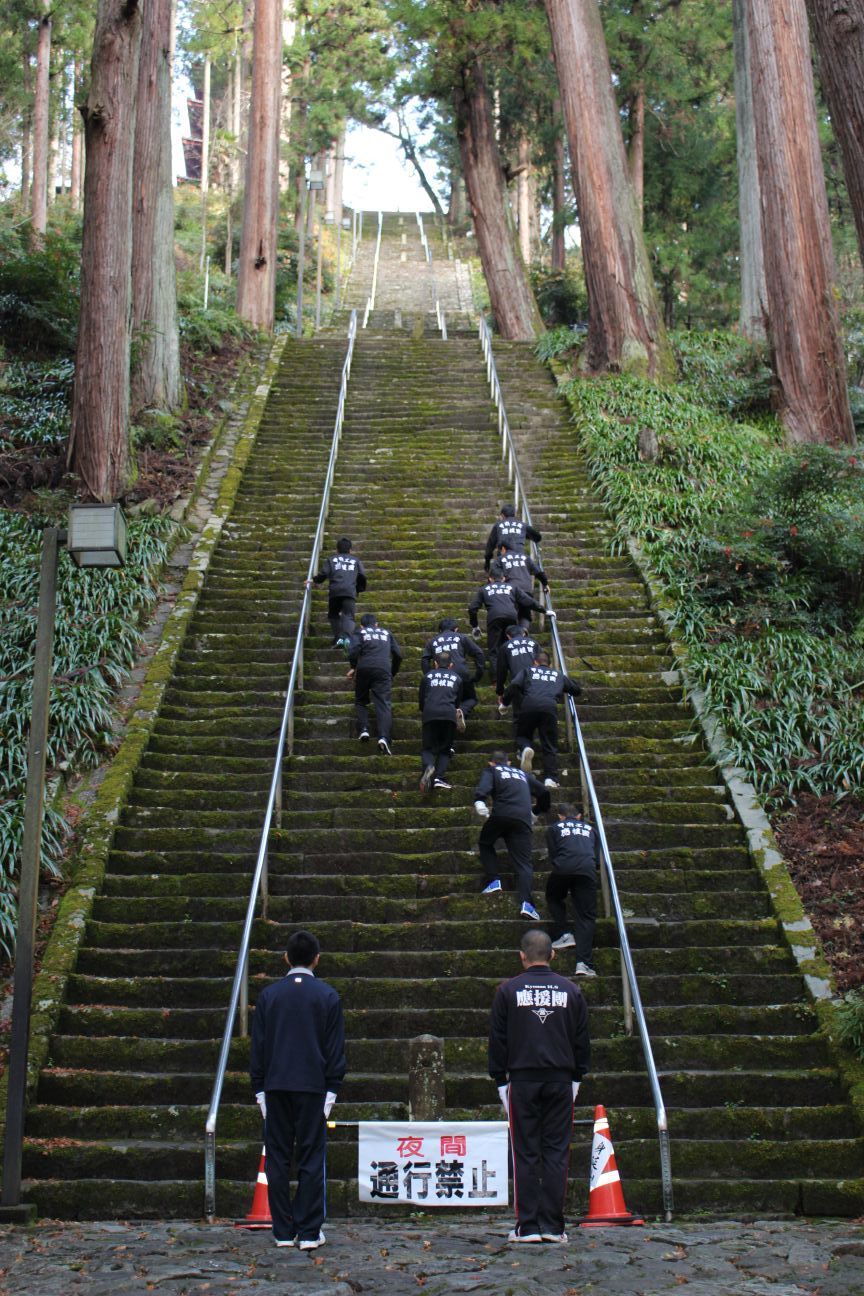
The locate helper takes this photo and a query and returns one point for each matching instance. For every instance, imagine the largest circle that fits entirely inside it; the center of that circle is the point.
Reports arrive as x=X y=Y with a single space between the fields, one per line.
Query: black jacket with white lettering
x=519 y=569
x=514 y=531
x=541 y=688
x=298 y=1036
x=511 y=791
x=440 y=694
x=514 y=655
x=345 y=574
x=457 y=645
x=538 y=1029
x=574 y=848
x=502 y=602
x=374 y=648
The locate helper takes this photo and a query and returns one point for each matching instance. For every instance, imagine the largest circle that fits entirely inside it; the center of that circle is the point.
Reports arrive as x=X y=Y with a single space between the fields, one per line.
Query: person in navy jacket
x=539 y=689
x=439 y=700
x=297 y=1064
x=346 y=579
x=509 y=527
x=512 y=819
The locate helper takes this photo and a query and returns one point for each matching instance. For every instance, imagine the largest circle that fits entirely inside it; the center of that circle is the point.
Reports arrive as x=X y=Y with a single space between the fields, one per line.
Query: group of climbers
x=453 y=664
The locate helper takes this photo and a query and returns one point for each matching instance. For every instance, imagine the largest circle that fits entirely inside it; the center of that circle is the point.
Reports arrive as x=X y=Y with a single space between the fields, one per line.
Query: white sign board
x=434 y=1163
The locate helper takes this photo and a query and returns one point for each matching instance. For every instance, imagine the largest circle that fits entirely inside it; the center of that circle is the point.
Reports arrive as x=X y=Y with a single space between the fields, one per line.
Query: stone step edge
x=97 y=828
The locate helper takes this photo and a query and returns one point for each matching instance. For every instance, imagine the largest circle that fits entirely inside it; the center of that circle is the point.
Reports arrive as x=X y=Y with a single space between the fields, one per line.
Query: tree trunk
x=256 y=278
x=559 y=196
x=625 y=330
x=512 y=301
x=99 y=439
x=339 y=176
x=26 y=136
x=523 y=199
x=754 y=300
x=456 y=207
x=803 y=327
x=636 y=152
x=39 y=189
x=77 y=139
x=838 y=29
x=156 y=382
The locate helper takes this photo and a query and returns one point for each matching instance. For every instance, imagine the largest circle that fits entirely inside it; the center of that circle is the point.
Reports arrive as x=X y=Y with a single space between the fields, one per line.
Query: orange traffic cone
x=605 y=1198
x=259 y=1216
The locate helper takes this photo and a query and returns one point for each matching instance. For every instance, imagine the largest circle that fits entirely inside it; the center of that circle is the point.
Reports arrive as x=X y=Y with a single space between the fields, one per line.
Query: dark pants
x=583 y=892
x=378 y=684
x=295 y=1131
x=541 y=1125
x=546 y=725
x=340 y=614
x=494 y=636
x=469 y=696
x=437 y=740
x=517 y=838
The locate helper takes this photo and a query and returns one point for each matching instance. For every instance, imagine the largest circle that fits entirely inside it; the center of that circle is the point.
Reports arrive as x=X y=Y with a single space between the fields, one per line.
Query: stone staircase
x=389 y=878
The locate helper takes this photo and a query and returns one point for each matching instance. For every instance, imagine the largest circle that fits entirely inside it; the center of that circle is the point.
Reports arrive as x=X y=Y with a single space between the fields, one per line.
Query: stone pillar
x=425 y=1078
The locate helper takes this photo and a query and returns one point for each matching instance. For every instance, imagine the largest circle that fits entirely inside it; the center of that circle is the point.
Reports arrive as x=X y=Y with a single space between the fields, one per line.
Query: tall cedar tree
x=99 y=438
x=256 y=275
x=754 y=300
x=838 y=30
x=156 y=379
x=625 y=330
x=804 y=334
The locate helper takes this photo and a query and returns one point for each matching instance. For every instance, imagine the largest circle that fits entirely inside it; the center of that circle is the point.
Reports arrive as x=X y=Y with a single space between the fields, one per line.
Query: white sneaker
x=515 y=1236
x=290 y=1242
x=426 y=778
x=460 y=720
x=312 y=1244
x=363 y=735
x=554 y=1237
x=564 y=942
x=550 y=783
x=526 y=759
x=442 y=783
x=582 y=969
x=384 y=747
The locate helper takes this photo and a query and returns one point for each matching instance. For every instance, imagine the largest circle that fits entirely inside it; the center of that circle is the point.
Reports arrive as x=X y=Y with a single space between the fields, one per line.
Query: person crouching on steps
x=440 y=695
x=539 y=1050
x=297 y=1064
x=574 y=861
x=512 y=819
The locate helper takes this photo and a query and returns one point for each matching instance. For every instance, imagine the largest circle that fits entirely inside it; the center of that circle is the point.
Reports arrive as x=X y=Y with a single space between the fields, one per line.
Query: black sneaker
x=363 y=735
x=426 y=778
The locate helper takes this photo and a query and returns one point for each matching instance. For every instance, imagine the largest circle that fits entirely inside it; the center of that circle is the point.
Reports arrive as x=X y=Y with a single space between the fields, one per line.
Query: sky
x=378 y=177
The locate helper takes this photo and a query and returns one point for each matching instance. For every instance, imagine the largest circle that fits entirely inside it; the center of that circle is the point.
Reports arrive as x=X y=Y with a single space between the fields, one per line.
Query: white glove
x=482 y=809
x=551 y=614
x=504 y=1095
x=261 y=1100
x=329 y=1100
x=476 y=633
x=574 y=1085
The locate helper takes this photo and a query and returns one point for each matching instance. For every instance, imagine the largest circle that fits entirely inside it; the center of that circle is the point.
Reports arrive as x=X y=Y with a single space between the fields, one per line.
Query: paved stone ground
x=765 y=1258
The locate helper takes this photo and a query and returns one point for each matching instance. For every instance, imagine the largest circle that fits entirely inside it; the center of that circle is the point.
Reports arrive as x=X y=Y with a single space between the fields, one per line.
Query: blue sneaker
x=491 y=887
x=528 y=911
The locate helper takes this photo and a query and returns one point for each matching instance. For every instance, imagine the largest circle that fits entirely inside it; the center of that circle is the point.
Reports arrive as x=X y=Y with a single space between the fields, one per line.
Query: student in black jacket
x=460 y=647
x=539 y=1050
x=503 y=603
x=375 y=658
x=516 y=652
x=574 y=861
x=439 y=699
x=520 y=570
x=346 y=579
x=297 y=1063
x=511 y=528
x=539 y=690
x=512 y=819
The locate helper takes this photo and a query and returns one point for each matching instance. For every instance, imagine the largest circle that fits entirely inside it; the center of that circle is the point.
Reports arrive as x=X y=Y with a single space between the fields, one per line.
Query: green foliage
x=38 y=295
x=850 y=1022
x=34 y=404
x=561 y=296
x=556 y=343
x=760 y=549
x=724 y=371
x=98 y=613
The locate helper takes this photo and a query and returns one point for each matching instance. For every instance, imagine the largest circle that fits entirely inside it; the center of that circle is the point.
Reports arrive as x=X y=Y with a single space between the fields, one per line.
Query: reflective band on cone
x=259 y=1213
x=605 y=1198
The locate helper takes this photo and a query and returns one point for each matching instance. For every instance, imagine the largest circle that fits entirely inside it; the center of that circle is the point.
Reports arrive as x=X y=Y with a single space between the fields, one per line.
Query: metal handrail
x=239 y=999
x=370 y=300
x=630 y=986
x=439 y=310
